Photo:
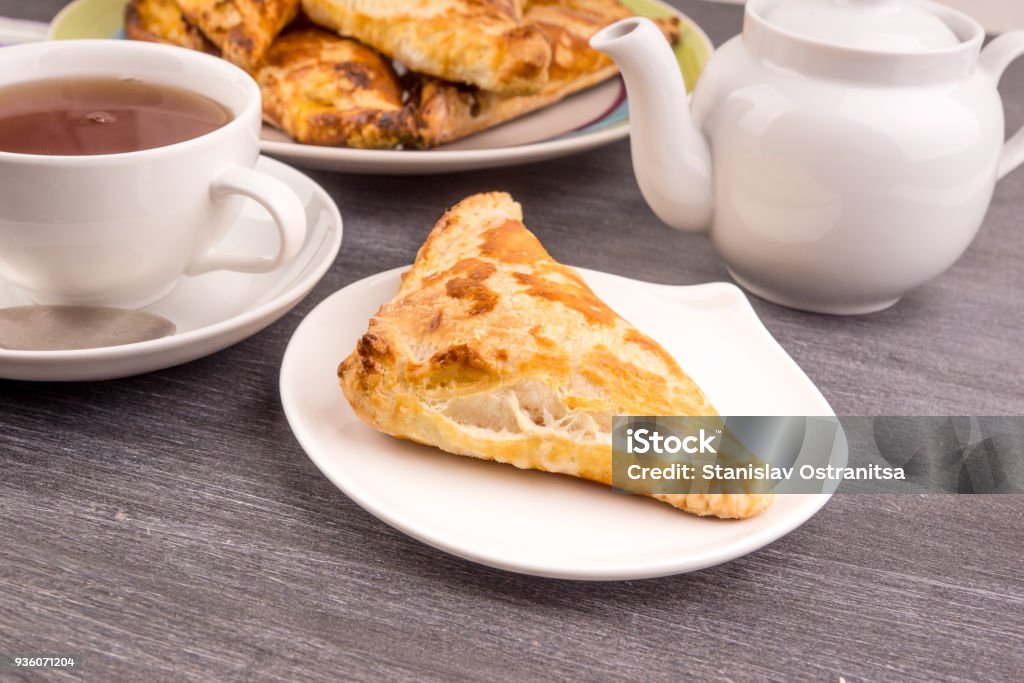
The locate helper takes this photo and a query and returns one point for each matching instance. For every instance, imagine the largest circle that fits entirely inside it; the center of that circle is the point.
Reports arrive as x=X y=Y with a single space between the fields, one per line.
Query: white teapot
x=838 y=154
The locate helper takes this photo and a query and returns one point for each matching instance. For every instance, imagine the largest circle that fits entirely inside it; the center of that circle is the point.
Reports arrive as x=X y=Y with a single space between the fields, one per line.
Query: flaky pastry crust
x=242 y=29
x=325 y=90
x=478 y=42
x=494 y=350
x=161 y=21
x=446 y=112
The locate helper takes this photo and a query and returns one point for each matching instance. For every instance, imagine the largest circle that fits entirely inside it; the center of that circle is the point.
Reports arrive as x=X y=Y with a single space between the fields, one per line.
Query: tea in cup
x=123 y=165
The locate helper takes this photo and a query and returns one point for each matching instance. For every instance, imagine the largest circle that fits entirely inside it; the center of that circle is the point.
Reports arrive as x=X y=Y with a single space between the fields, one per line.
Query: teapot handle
x=995 y=58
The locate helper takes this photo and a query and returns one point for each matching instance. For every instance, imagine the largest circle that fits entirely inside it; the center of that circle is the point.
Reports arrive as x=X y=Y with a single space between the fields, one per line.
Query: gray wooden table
x=169 y=527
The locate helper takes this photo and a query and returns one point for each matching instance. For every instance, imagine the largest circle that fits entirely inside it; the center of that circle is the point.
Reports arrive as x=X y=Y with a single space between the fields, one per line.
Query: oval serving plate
x=583 y=121
x=535 y=522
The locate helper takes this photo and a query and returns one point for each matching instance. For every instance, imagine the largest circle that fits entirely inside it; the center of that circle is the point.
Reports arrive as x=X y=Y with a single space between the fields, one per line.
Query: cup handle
x=995 y=58
x=281 y=203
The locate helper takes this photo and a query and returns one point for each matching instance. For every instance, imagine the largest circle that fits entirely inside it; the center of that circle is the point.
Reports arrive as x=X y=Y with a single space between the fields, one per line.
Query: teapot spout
x=671 y=158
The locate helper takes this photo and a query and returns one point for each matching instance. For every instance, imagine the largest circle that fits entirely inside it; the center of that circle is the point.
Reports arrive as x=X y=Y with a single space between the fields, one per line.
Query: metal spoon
x=65 y=328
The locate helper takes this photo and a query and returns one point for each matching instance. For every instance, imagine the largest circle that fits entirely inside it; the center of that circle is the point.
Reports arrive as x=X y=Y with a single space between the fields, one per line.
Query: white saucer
x=534 y=522
x=211 y=311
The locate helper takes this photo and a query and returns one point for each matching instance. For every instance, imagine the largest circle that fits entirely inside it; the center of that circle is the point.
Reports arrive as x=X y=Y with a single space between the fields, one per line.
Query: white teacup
x=121 y=229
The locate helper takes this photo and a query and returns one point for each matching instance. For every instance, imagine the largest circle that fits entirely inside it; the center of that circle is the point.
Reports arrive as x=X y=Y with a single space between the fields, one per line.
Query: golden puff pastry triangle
x=492 y=349
x=323 y=89
x=478 y=42
x=446 y=112
x=242 y=29
x=161 y=21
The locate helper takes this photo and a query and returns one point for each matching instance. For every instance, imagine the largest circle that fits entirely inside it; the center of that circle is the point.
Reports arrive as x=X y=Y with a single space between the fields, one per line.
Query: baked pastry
x=446 y=112
x=326 y=90
x=242 y=29
x=322 y=89
x=494 y=350
x=478 y=42
x=161 y=21
x=317 y=87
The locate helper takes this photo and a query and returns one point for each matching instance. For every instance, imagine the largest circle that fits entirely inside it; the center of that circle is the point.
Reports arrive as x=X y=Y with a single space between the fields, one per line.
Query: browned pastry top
x=242 y=29
x=492 y=349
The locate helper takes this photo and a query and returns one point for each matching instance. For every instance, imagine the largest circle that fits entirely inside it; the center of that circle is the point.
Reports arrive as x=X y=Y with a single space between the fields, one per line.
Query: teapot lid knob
x=881 y=25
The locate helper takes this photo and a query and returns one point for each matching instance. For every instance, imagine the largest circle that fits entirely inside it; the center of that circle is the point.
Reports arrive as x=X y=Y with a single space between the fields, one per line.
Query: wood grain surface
x=168 y=527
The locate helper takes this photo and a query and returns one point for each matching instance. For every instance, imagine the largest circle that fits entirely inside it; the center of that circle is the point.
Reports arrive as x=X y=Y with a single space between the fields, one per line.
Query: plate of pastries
x=410 y=86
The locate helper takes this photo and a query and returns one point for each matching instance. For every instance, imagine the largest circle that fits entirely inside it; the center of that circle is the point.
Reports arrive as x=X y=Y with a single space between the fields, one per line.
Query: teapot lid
x=879 y=25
